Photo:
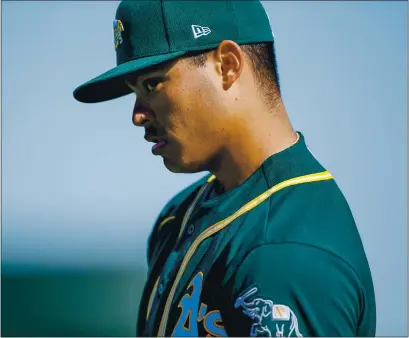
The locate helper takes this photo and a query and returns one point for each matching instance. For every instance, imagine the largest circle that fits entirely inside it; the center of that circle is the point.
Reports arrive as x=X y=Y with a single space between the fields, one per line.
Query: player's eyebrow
x=133 y=82
x=133 y=79
x=158 y=70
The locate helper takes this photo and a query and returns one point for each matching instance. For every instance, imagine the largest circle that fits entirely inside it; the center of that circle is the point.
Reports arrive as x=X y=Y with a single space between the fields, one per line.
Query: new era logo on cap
x=199 y=31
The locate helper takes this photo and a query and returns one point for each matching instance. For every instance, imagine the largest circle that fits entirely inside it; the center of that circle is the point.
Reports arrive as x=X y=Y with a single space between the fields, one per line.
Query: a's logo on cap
x=118 y=29
x=199 y=31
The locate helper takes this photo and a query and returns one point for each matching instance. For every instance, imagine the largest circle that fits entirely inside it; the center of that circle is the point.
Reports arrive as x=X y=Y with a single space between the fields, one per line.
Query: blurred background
x=81 y=190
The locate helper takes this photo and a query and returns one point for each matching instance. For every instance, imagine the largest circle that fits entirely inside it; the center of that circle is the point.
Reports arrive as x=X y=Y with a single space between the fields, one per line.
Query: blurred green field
x=70 y=303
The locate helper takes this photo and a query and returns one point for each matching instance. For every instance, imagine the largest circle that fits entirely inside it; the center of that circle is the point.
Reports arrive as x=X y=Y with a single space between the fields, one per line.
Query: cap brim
x=111 y=84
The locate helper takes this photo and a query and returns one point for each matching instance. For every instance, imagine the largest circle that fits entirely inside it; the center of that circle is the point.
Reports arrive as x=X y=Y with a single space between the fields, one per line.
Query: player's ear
x=230 y=61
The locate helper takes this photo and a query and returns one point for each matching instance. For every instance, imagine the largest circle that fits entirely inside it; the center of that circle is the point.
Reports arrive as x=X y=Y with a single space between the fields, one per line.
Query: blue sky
x=80 y=186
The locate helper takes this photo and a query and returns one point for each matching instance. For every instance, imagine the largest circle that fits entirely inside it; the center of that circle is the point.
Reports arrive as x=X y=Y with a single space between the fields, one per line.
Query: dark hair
x=264 y=65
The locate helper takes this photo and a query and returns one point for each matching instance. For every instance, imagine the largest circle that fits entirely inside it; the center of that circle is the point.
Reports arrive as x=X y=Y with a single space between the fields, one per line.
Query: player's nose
x=141 y=115
x=139 y=118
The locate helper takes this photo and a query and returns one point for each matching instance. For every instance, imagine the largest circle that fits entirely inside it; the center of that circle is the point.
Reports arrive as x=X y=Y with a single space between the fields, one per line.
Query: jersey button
x=191 y=229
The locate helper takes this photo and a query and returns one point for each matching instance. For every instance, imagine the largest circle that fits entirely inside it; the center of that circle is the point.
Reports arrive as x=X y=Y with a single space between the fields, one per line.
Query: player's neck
x=251 y=146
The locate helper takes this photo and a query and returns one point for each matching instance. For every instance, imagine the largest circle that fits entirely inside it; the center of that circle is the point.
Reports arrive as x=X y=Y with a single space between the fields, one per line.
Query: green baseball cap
x=149 y=32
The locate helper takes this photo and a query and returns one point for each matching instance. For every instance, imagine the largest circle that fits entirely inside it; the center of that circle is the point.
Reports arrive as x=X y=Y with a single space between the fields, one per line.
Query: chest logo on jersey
x=195 y=313
x=267 y=316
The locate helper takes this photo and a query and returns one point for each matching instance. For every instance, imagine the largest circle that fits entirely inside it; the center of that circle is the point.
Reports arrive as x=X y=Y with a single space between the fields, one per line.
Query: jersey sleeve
x=293 y=290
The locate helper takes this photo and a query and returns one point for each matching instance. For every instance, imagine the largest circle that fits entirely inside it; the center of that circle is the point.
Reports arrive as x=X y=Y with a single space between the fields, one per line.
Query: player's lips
x=160 y=143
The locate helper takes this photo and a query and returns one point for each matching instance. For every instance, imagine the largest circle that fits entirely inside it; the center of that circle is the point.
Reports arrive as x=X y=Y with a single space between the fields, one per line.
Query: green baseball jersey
x=279 y=255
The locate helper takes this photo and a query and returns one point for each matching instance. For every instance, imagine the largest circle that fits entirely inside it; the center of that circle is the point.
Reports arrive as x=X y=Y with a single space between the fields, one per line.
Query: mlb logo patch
x=118 y=29
x=281 y=312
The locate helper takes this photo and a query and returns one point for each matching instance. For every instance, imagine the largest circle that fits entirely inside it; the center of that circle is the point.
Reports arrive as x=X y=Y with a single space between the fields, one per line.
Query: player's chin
x=181 y=166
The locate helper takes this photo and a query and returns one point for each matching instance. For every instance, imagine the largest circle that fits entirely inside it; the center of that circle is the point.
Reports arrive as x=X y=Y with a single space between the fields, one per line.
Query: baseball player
x=265 y=244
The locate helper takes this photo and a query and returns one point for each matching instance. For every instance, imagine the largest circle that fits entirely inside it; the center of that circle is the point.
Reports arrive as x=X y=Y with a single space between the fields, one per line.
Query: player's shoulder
x=299 y=212
x=313 y=215
x=313 y=212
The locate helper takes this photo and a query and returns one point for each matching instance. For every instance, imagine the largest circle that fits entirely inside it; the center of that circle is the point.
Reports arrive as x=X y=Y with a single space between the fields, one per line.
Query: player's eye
x=152 y=84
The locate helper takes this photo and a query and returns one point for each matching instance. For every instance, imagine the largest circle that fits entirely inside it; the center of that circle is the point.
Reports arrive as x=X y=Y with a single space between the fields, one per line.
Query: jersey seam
x=234 y=17
x=269 y=209
x=165 y=24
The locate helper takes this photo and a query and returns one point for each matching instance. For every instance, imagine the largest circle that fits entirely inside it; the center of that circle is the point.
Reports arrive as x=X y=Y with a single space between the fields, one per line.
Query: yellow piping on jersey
x=185 y=218
x=193 y=204
x=211 y=178
x=151 y=298
x=166 y=220
x=325 y=175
